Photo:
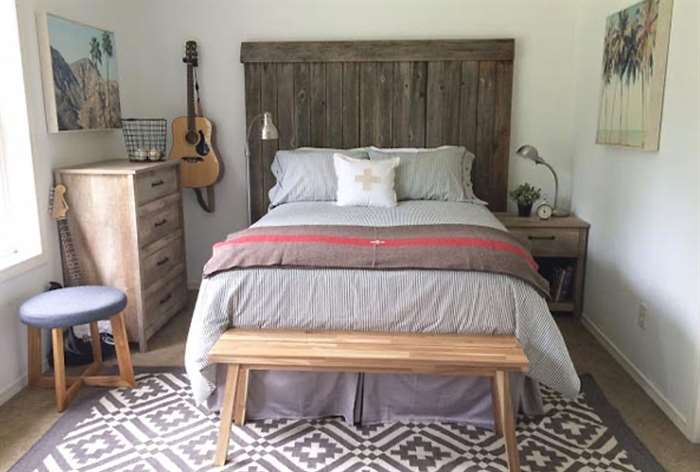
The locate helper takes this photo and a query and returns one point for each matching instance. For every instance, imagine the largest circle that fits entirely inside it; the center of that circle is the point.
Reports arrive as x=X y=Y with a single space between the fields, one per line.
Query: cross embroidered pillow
x=365 y=183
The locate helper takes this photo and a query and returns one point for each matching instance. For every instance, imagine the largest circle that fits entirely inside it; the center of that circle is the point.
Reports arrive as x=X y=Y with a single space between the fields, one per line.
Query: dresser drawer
x=163 y=300
x=158 y=219
x=159 y=259
x=553 y=242
x=150 y=186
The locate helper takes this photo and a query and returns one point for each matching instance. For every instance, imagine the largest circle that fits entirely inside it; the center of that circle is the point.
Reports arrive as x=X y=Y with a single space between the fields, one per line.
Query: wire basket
x=145 y=138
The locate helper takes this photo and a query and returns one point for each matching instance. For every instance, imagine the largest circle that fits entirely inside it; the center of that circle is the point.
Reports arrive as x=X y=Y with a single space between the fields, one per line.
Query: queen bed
x=400 y=94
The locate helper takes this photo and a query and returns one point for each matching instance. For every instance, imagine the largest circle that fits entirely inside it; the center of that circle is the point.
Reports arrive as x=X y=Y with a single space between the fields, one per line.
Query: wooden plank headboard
x=347 y=94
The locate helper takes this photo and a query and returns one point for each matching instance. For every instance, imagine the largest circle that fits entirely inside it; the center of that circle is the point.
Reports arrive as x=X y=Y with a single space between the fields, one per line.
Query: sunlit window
x=20 y=238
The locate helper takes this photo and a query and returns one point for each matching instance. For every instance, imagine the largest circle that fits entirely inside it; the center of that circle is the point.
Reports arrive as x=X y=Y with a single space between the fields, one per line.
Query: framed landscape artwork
x=634 y=72
x=80 y=75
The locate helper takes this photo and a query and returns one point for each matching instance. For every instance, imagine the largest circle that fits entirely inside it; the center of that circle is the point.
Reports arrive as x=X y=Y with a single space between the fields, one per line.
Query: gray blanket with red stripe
x=420 y=247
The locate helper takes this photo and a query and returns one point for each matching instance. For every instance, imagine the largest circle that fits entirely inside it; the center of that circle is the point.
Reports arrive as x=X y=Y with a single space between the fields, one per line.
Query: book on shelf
x=561 y=283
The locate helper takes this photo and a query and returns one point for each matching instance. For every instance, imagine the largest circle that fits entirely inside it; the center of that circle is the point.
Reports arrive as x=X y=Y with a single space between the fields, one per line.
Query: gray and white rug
x=157 y=427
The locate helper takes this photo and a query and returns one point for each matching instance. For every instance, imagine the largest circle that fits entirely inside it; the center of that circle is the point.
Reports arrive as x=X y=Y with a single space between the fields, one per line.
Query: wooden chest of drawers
x=127 y=228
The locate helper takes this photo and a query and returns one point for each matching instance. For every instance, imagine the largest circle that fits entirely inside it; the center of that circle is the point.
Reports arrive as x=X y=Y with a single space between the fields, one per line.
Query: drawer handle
x=162 y=261
x=160 y=223
x=165 y=298
x=541 y=238
x=157 y=183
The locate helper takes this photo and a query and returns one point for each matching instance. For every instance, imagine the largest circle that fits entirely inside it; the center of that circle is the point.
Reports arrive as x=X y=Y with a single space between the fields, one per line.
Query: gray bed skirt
x=377 y=398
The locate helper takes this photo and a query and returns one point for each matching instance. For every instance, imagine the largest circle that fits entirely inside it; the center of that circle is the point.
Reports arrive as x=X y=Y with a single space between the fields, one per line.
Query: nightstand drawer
x=553 y=242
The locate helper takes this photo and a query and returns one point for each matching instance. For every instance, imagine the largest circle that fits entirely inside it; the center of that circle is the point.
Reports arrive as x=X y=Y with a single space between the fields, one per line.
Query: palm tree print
x=628 y=65
x=109 y=52
x=95 y=52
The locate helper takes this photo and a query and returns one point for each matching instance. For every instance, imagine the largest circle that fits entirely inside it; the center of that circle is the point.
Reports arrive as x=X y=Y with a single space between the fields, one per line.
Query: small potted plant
x=525 y=195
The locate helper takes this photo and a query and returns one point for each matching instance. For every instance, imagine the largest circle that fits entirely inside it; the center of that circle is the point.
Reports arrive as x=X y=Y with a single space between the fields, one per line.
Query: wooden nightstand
x=557 y=242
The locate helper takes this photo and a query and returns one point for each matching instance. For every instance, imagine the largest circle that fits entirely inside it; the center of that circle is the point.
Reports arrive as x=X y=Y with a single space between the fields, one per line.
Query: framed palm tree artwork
x=80 y=75
x=633 y=75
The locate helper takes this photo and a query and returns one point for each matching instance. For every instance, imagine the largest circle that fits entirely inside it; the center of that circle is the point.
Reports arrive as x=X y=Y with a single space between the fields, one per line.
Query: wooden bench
x=265 y=349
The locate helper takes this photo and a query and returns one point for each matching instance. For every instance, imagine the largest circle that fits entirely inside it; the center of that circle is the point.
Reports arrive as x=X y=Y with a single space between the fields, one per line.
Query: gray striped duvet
x=373 y=300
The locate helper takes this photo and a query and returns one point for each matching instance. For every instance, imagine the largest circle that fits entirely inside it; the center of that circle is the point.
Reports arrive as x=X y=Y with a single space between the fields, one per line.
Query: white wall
x=644 y=208
x=50 y=151
x=542 y=106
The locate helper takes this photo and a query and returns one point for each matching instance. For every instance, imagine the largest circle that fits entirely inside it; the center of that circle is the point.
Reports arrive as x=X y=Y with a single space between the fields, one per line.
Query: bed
x=386 y=93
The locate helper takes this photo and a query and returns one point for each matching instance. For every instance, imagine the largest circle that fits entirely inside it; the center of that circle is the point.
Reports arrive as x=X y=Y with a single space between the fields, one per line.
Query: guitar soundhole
x=192 y=137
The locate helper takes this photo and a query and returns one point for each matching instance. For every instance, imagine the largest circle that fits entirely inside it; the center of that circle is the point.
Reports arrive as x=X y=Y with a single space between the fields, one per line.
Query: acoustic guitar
x=192 y=135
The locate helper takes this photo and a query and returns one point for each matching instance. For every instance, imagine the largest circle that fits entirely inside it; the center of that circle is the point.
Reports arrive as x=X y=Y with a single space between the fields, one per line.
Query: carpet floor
x=157 y=427
x=25 y=418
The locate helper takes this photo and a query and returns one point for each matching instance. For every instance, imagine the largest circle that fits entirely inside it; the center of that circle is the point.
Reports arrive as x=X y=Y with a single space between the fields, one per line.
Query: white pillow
x=365 y=183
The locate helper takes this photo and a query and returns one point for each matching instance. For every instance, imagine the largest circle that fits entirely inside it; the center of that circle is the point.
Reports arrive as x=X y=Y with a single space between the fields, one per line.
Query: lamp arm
x=250 y=130
x=556 y=182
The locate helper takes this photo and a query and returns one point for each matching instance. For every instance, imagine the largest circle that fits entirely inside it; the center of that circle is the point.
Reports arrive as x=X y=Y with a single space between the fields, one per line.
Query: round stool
x=66 y=307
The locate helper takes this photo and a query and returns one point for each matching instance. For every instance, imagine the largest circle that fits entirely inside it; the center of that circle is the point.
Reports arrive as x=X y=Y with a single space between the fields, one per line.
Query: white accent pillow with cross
x=365 y=183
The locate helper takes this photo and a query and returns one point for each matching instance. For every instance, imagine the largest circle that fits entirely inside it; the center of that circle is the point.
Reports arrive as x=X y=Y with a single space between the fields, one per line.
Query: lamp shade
x=528 y=151
x=269 y=130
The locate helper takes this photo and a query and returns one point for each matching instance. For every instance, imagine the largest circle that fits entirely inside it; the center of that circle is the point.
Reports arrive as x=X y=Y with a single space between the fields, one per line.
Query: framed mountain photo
x=633 y=75
x=80 y=75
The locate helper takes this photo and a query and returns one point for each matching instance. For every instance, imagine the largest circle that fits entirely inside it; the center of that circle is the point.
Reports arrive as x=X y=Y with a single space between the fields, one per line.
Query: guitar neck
x=190 y=98
x=72 y=275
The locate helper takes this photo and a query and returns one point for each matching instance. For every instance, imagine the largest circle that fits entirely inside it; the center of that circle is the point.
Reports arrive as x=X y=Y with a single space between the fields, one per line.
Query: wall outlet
x=643 y=315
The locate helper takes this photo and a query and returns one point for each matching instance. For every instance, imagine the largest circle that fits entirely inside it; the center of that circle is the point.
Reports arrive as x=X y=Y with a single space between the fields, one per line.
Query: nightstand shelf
x=557 y=242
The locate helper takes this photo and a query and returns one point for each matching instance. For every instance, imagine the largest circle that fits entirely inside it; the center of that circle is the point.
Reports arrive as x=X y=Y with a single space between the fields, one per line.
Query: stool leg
x=121 y=345
x=507 y=421
x=34 y=355
x=227 y=407
x=95 y=342
x=59 y=368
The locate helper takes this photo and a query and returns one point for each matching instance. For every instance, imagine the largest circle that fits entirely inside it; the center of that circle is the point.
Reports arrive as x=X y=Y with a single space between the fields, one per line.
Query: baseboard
x=647 y=385
x=13 y=389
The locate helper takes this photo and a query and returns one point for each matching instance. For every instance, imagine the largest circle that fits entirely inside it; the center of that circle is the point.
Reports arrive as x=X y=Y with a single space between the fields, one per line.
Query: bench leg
x=241 y=396
x=121 y=346
x=232 y=375
x=495 y=403
x=507 y=420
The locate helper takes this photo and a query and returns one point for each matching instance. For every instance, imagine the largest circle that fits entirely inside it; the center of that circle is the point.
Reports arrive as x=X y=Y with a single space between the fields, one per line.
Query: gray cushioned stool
x=66 y=307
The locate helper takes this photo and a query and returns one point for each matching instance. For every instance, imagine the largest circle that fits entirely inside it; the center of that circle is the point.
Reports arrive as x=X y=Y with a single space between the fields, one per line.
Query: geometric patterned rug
x=157 y=427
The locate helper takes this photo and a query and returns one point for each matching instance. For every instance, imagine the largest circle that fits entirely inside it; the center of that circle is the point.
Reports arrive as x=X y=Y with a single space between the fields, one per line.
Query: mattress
x=423 y=301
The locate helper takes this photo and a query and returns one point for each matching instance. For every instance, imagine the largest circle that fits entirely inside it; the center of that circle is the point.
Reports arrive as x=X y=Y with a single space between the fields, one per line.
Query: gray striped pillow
x=442 y=173
x=307 y=174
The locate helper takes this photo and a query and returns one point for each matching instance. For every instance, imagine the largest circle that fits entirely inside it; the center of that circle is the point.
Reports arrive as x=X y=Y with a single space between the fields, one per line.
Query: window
x=20 y=237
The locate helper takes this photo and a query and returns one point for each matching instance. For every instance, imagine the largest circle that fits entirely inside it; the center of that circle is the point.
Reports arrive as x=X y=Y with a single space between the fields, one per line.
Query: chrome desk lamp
x=530 y=152
x=268 y=132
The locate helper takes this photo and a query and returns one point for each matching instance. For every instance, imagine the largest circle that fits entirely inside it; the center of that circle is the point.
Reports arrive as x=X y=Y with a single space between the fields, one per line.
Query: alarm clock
x=544 y=211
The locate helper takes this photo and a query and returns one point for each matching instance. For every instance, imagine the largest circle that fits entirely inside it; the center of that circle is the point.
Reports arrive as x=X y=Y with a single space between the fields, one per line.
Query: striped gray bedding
x=376 y=300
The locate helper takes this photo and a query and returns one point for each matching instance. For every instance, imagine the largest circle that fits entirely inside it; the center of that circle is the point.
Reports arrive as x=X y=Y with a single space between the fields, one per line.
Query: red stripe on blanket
x=340 y=240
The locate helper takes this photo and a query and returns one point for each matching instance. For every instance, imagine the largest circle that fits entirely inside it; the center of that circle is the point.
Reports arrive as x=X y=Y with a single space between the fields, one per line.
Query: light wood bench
x=265 y=349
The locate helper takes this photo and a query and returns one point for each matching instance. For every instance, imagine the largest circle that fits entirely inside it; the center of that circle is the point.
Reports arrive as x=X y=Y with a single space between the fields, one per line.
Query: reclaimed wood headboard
x=347 y=94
